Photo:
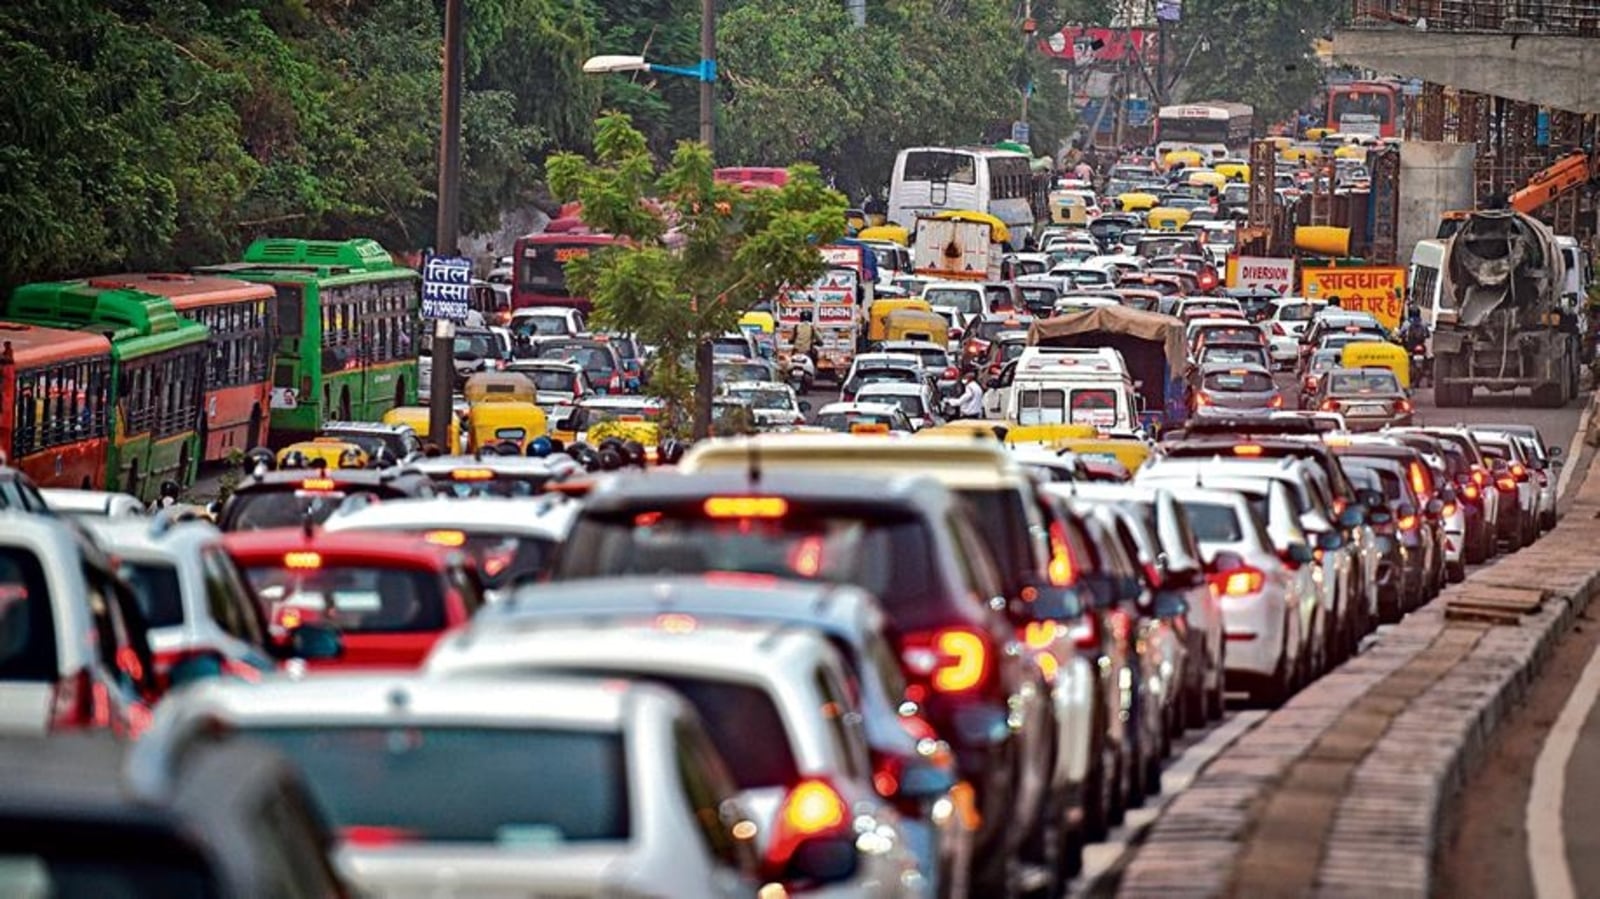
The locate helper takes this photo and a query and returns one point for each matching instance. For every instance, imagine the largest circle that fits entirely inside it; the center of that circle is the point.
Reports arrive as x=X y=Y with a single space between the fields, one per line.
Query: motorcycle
x=802 y=373
x=1421 y=365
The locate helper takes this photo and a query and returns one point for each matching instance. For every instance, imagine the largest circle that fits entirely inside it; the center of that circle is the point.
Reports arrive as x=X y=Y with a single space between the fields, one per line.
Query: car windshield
x=155 y=589
x=908 y=403
x=1233 y=355
x=526 y=789
x=1321 y=362
x=1239 y=381
x=289 y=507
x=500 y=484
x=586 y=417
x=964 y=302
x=539 y=325
x=986 y=330
x=550 y=380
x=1297 y=312
x=845 y=422
x=884 y=554
x=724 y=372
x=766 y=399
x=476 y=346
x=590 y=358
x=503 y=559
x=1241 y=333
x=933 y=358
x=866 y=376
x=356 y=599
x=1392 y=484
x=1363 y=382
x=726 y=347
x=27 y=621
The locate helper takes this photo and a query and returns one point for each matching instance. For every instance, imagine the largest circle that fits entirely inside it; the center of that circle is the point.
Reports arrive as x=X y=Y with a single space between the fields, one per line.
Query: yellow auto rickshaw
x=1068 y=209
x=1166 y=218
x=1048 y=435
x=1136 y=202
x=969 y=427
x=1315 y=134
x=502 y=406
x=1207 y=178
x=1189 y=158
x=855 y=220
x=1351 y=151
x=877 y=318
x=916 y=324
x=998 y=232
x=892 y=233
x=1378 y=354
x=418 y=417
x=1300 y=155
x=1233 y=171
x=331 y=452
x=1130 y=452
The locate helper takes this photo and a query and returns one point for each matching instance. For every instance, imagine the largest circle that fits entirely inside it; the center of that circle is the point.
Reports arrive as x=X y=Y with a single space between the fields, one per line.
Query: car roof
x=1240 y=367
x=548 y=516
x=907 y=359
x=832 y=608
x=510 y=465
x=151 y=537
x=63 y=499
x=367 y=427
x=378 y=549
x=864 y=407
x=757 y=385
x=630 y=491
x=400 y=478
x=622 y=402
x=891 y=346
x=528 y=699
x=896 y=388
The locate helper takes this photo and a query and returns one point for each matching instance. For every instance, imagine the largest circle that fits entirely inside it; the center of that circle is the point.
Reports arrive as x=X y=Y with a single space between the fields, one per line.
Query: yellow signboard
x=1378 y=289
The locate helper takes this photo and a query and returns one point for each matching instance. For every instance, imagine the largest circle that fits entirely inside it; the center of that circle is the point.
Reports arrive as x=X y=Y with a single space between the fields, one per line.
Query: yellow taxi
x=1136 y=201
x=330 y=452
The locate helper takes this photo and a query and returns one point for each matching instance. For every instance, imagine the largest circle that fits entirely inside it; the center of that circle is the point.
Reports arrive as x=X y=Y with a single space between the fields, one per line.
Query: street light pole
x=704 y=355
x=447 y=236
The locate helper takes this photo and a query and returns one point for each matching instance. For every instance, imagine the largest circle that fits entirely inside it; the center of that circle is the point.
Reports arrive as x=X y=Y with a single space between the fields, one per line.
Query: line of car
x=825 y=663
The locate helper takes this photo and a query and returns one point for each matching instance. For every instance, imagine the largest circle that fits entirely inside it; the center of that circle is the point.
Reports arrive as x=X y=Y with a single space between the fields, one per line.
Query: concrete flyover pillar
x=1531 y=68
x=1435 y=178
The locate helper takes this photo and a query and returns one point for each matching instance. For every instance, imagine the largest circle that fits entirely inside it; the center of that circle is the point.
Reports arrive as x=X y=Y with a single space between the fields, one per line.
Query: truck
x=1502 y=323
x=1152 y=348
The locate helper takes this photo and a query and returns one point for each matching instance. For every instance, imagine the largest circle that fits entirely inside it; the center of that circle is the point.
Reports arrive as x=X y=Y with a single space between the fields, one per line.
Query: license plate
x=1366 y=410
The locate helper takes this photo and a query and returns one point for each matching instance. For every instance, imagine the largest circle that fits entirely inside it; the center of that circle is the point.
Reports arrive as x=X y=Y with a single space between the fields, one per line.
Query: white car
x=1260 y=587
x=1286 y=323
x=547 y=321
x=855 y=418
x=774 y=701
x=775 y=406
x=913 y=399
x=867 y=367
x=556 y=382
x=958 y=301
x=91 y=503
x=512 y=785
x=510 y=539
x=1544 y=461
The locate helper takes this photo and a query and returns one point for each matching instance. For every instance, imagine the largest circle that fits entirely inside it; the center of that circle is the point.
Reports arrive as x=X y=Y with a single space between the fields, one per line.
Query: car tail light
x=1470 y=491
x=1085 y=633
x=952 y=373
x=317 y=484
x=1278 y=331
x=953 y=334
x=952 y=660
x=302 y=560
x=1480 y=476
x=1248 y=449
x=1202 y=401
x=1408 y=522
x=1418 y=477
x=1238 y=582
x=1506 y=483
x=1519 y=471
x=1063 y=569
x=1330 y=405
x=1448 y=510
x=746 y=507
x=1403 y=406
x=78 y=702
x=1276 y=402
x=813 y=808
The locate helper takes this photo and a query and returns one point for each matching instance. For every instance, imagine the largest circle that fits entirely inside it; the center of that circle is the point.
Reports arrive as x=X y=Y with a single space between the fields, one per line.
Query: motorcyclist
x=1414 y=333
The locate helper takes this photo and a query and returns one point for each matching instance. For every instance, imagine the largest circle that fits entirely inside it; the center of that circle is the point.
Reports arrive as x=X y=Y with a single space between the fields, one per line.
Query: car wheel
x=1455 y=572
x=1097 y=792
x=1216 y=697
x=1514 y=542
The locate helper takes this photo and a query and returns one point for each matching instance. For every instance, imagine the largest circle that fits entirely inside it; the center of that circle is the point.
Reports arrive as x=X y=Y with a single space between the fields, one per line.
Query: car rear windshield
x=1246 y=381
x=745 y=726
x=887 y=555
x=120 y=873
x=357 y=599
x=1214 y=522
x=965 y=302
x=1233 y=355
x=1297 y=312
x=537 y=325
x=288 y=507
x=155 y=588
x=27 y=621
x=1388 y=476
x=1364 y=382
x=550 y=380
x=524 y=788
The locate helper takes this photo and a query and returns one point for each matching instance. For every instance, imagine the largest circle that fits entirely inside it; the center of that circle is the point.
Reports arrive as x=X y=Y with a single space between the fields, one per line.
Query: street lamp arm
x=705 y=71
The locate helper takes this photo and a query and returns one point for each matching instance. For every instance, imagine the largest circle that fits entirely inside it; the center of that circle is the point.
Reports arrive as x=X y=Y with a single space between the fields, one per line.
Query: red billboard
x=1116 y=44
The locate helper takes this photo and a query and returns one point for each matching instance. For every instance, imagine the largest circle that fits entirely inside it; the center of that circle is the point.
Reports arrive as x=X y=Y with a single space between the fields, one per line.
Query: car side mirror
x=805 y=406
x=1373 y=499
x=1353 y=517
x=314 y=641
x=1298 y=553
x=1553 y=452
x=817 y=861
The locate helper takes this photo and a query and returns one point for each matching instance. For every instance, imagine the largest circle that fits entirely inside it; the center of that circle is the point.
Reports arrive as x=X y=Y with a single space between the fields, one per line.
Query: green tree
x=699 y=254
x=1254 y=51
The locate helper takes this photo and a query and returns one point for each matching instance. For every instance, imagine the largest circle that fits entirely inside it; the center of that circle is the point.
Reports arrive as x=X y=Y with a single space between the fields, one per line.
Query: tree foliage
x=699 y=253
x=1255 y=51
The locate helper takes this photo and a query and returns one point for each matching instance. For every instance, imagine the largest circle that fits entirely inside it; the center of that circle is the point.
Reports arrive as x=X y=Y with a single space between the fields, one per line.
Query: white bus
x=1425 y=287
x=931 y=180
x=1216 y=130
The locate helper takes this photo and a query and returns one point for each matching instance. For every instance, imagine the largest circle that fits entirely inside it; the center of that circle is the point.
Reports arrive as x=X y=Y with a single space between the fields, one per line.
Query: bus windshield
x=941 y=165
x=542 y=268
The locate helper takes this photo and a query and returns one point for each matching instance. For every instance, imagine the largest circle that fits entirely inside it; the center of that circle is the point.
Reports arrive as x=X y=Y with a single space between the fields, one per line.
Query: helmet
x=509 y=448
x=294 y=459
x=170 y=489
x=492 y=449
x=260 y=459
x=539 y=446
x=610 y=459
x=635 y=453
x=1414 y=315
x=583 y=454
x=352 y=458
x=671 y=451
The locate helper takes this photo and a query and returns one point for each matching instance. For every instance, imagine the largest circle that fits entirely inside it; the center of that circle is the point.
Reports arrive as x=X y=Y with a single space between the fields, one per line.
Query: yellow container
x=1324 y=240
x=495 y=421
x=1232 y=170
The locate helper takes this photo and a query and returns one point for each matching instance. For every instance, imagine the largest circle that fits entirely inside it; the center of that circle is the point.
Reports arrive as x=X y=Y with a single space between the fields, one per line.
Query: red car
x=391 y=596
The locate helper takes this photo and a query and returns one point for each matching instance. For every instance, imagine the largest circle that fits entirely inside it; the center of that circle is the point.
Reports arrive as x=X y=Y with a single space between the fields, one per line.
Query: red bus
x=1359 y=106
x=752 y=176
x=238 y=387
x=55 y=401
x=538 y=261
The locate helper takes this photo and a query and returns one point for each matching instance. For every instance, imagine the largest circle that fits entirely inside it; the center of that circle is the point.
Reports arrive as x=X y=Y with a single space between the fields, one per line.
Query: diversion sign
x=1378 y=289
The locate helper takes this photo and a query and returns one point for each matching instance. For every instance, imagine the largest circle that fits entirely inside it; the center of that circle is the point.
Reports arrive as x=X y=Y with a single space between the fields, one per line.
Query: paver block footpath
x=1344 y=791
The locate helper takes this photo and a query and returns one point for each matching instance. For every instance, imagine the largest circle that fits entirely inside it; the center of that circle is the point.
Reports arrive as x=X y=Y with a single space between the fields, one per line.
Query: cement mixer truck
x=1502 y=323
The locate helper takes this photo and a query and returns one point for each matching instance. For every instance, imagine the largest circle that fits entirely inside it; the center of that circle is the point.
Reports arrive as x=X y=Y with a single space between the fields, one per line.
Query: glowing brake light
x=1470 y=491
x=1448 y=511
x=1330 y=405
x=471 y=474
x=1506 y=483
x=812 y=808
x=676 y=623
x=1248 y=449
x=1518 y=471
x=1419 y=478
x=317 y=484
x=445 y=538
x=1403 y=406
x=954 y=659
x=746 y=507
x=1408 y=522
x=1276 y=402
x=302 y=560
x=1243 y=582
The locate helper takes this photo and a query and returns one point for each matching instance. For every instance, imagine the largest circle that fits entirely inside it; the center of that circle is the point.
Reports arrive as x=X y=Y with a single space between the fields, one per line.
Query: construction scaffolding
x=1575 y=18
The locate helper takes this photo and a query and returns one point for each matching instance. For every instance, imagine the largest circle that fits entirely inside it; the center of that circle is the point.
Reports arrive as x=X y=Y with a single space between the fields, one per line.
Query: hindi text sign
x=1378 y=289
x=446 y=287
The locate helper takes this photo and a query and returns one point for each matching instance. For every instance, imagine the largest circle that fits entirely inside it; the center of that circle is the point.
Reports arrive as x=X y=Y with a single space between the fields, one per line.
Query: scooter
x=802 y=373
x=1421 y=365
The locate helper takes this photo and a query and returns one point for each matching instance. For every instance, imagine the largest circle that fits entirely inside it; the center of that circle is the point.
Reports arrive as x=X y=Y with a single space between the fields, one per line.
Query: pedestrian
x=971 y=396
x=1334 y=302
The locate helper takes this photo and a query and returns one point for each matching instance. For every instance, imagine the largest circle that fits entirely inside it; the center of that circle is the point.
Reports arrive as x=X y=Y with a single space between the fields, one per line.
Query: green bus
x=348 y=318
x=157 y=374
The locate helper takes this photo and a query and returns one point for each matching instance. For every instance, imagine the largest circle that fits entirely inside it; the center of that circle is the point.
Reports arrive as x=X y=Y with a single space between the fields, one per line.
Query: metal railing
x=1555 y=17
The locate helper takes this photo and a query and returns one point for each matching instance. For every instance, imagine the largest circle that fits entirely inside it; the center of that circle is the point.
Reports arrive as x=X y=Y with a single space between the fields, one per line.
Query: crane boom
x=1567 y=173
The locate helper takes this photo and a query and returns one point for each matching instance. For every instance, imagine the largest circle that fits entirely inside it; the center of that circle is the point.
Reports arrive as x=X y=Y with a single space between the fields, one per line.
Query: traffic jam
x=926 y=617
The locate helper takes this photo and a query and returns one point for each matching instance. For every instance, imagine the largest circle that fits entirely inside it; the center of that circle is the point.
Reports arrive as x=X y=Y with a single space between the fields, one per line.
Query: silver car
x=528 y=785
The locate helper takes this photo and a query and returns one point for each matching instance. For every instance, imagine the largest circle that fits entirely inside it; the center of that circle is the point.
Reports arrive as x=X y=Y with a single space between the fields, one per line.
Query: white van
x=1579 y=274
x=1425 y=284
x=1066 y=386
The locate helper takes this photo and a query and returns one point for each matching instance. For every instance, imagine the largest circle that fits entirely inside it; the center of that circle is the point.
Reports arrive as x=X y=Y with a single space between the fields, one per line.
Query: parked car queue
x=849 y=664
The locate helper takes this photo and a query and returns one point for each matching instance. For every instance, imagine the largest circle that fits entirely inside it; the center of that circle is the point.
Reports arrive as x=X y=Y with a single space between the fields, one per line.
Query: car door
x=711 y=797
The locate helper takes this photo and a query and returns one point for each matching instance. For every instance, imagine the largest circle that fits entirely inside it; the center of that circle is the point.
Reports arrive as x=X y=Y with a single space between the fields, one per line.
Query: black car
x=291 y=498
x=176 y=814
x=908 y=541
